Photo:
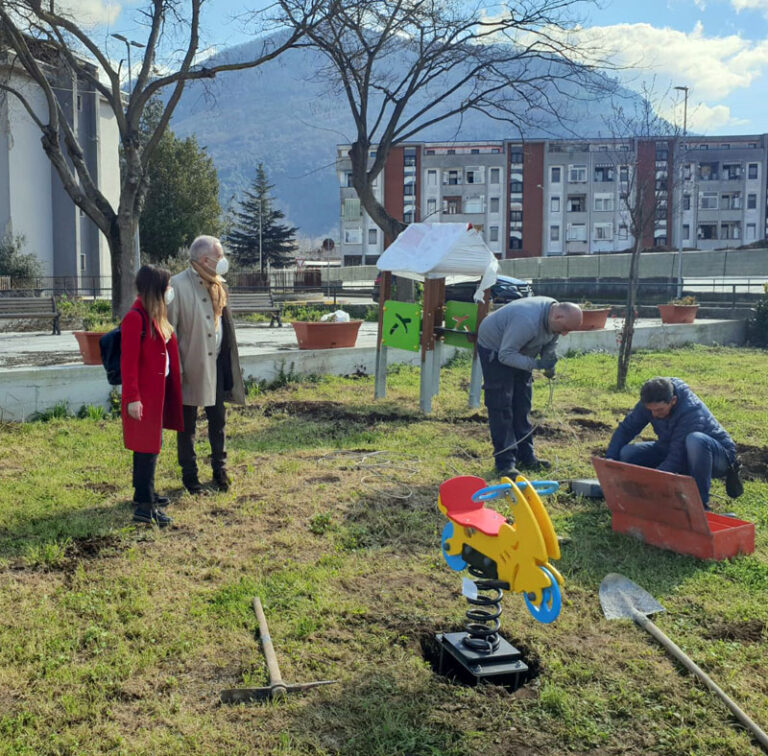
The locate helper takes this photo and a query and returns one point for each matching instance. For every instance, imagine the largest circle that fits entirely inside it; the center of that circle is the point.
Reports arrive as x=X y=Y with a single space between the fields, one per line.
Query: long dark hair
x=151 y=283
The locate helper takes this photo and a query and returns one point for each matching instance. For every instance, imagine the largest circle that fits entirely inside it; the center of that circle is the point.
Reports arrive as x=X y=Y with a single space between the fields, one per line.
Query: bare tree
x=405 y=65
x=647 y=196
x=45 y=47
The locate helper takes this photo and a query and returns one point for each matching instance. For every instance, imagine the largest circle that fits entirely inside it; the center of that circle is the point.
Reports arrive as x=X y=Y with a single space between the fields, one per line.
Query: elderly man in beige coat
x=210 y=365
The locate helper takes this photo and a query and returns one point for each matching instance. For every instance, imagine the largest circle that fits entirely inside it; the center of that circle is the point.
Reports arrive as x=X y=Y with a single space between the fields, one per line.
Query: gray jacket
x=191 y=315
x=519 y=332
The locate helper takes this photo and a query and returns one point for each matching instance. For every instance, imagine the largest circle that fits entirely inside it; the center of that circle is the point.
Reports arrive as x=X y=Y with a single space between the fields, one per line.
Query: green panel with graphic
x=401 y=327
x=461 y=316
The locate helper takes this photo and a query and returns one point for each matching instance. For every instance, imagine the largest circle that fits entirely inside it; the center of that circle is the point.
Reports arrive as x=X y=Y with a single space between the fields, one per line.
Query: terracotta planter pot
x=675 y=313
x=326 y=335
x=594 y=320
x=88 y=341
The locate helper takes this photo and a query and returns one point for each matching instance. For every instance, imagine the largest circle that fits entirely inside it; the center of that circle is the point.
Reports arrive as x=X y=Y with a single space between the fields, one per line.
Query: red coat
x=142 y=365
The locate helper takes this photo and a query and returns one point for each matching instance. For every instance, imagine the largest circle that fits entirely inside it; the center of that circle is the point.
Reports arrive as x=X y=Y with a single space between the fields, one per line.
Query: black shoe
x=509 y=472
x=221 y=480
x=733 y=485
x=535 y=465
x=152 y=517
x=161 y=501
x=193 y=485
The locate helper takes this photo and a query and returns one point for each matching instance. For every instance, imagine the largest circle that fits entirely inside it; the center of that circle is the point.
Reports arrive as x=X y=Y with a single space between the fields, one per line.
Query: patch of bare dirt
x=92 y=547
x=326 y=410
x=581 y=411
x=585 y=422
x=750 y=630
x=754 y=461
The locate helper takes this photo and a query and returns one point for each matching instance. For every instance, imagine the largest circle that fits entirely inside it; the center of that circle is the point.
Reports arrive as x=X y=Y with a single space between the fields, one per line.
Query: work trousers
x=144 y=465
x=706 y=459
x=508 y=395
x=217 y=420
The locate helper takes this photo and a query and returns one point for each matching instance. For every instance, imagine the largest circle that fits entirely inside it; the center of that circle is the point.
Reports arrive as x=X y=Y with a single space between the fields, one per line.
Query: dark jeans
x=706 y=459
x=508 y=393
x=144 y=479
x=217 y=420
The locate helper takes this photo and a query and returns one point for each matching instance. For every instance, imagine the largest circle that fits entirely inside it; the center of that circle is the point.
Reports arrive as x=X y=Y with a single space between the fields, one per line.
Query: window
x=554 y=204
x=408 y=216
x=430 y=152
x=555 y=173
x=707 y=231
x=577 y=174
x=730 y=201
x=603 y=202
x=604 y=173
x=409 y=190
x=82 y=257
x=453 y=178
x=473 y=204
x=686 y=231
x=686 y=202
x=515 y=242
x=372 y=235
x=471 y=177
x=450 y=152
x=431 y=207
x=708 y=171
x=623 y=231
x=348 y=179
x=409 y=160
x=80 y=107
x=554 y=233
x=602 y=231
x=516 y=187
x=516 y=156
x=577 y=203
x=474 y=151
x=661 y=212
x=660 y=241
x=495 y=175
x=730 y=230
x=352 y=208
x=751 y=230
x=451 y=205
x=493 y=233
x=372 y=153
x=752 y=171
x=624 y=174
x=431 y=178
x=353 y=235
x=731 y=171
x=687 y=171
x=751 y=202
x=708 y=201
x=577 y=232
x=515 y=216
x=494 y=205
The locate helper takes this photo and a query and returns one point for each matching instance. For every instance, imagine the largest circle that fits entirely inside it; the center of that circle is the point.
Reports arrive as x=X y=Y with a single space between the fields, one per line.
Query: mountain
x=285 y=115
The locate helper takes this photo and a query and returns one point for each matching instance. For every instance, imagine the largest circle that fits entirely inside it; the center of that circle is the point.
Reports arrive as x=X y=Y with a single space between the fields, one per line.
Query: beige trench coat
x=191 y=315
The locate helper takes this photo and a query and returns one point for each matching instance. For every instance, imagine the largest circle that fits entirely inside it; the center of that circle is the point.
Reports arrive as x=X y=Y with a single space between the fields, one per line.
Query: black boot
x=733 y=485
x=221 y=480
x=151 y=516
x=193 y=485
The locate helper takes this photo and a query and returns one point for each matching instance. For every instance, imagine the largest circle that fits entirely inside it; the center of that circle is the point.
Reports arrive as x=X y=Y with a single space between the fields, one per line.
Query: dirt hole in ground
x=90 y=547
x=585 y=422
x=444 y=665
x=751 y=630
x=754 y=461
x=334 y=411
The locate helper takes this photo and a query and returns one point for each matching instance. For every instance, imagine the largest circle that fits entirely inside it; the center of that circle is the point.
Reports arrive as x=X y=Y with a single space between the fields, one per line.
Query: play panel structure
x=432 y=252
x=503 y=553
x=665 y=510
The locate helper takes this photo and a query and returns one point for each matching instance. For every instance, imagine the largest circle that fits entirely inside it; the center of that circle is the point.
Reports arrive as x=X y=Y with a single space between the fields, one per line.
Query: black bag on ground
x=111 y=349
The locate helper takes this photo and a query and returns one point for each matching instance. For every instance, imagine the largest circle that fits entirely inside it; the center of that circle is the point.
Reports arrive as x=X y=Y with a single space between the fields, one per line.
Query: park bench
x=30 y=308
x=242 y=302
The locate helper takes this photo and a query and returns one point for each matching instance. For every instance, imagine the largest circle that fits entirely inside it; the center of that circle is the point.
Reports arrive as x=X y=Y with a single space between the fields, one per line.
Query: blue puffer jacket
x=689 y=415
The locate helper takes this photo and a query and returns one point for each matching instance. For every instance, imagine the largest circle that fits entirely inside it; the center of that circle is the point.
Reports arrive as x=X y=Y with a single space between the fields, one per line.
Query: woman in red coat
x=151 y=401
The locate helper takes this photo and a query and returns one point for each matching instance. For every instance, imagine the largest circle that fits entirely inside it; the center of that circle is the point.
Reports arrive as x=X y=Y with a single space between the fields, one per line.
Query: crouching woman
x=151 y=401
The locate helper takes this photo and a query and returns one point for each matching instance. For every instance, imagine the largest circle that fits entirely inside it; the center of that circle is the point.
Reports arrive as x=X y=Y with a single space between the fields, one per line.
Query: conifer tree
x=256 y=235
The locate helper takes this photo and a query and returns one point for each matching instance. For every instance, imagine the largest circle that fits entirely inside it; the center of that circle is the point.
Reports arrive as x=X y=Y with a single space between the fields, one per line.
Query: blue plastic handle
x=544 y=487
x=551 y=601
x=491 y=492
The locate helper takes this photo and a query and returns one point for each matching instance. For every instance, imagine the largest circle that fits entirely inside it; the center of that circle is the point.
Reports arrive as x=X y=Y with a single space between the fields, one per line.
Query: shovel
x=277 y=688
x=623 y=599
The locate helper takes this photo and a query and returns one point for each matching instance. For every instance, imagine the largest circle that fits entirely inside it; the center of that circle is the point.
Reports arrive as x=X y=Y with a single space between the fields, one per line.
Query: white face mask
x=169 y=295
x=222 y=266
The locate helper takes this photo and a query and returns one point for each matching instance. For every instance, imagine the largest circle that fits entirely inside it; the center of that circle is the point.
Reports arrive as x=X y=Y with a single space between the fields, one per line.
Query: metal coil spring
x=483 y=626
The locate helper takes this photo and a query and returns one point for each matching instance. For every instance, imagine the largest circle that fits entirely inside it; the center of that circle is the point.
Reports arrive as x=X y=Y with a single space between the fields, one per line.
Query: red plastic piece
x=665 y=510
x=456 y=497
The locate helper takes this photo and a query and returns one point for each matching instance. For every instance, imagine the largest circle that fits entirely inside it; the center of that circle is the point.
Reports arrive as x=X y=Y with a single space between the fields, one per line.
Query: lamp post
x=679 y=288
x=128 y=44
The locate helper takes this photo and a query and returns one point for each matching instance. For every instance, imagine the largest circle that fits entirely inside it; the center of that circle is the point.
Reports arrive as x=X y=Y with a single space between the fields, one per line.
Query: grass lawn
x=118 y=639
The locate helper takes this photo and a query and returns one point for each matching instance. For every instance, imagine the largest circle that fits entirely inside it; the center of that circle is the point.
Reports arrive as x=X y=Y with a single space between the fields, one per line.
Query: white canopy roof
x=441 y=250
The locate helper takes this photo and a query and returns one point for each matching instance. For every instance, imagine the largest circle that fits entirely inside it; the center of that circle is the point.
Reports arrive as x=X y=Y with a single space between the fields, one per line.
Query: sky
x=716 y=48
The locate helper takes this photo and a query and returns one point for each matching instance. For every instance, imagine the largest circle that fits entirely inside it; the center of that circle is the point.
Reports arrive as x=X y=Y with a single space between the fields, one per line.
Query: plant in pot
x=95 y=326
x=681 y=310
x=332 y=331
x=594 y=317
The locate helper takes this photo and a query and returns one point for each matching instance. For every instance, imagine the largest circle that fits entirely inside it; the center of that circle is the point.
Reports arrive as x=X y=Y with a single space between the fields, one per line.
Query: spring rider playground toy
x=502 y=554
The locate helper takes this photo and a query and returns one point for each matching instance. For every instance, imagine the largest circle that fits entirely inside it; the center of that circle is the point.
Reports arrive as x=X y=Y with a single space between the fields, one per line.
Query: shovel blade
x=619 y=596
x=244 y=695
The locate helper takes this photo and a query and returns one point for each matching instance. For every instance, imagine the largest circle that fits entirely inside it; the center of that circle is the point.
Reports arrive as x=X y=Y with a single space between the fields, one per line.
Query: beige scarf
x=214 y=284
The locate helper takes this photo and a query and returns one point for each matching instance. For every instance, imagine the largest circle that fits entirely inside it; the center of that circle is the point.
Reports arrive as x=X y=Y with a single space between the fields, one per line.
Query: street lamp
x=128 y=44
x=680 y=239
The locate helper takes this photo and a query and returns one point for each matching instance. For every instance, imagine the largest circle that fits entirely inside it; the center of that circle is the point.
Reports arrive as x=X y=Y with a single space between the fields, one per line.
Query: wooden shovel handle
x=275 y=678
x=694 y=668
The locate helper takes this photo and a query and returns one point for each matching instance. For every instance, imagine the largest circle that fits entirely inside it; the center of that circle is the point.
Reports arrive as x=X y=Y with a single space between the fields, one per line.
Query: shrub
x=22 y=267
x=757 y=327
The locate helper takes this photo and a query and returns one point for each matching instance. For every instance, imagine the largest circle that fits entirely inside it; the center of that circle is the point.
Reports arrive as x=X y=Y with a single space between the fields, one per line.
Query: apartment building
x=33 y=202
x=564 y=197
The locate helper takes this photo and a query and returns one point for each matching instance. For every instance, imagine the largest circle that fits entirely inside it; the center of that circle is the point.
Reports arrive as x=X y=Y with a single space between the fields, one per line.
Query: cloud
x=90 y=12
x=740 y=5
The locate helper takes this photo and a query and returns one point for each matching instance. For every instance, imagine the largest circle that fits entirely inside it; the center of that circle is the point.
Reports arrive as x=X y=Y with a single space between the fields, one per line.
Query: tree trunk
x=123 y=255
x=628 y=329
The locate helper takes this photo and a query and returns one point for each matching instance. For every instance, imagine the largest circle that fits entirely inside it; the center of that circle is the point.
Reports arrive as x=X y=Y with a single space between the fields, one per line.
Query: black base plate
x=501 y=667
